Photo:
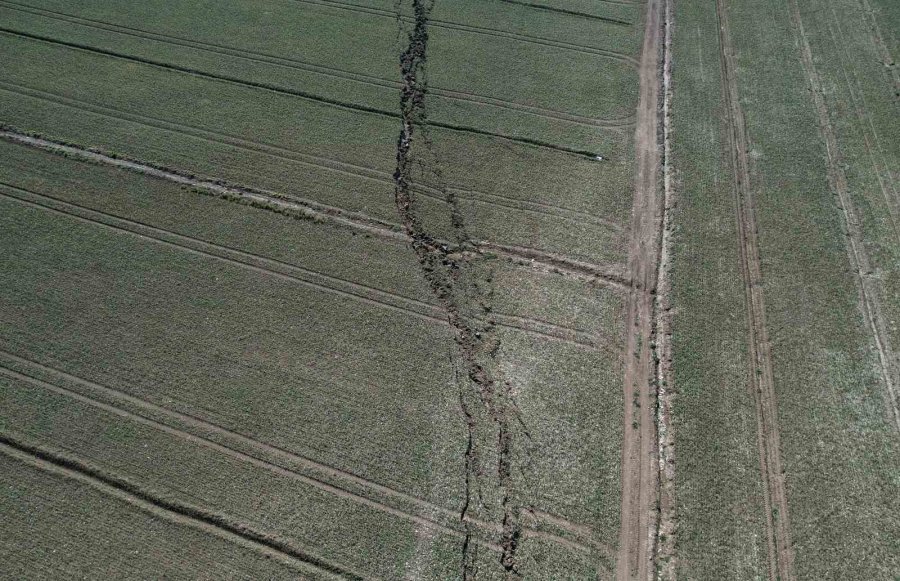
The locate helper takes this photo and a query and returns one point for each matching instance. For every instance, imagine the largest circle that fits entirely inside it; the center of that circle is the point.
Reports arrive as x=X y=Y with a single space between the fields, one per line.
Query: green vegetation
x=406 y=289
x=838 y=439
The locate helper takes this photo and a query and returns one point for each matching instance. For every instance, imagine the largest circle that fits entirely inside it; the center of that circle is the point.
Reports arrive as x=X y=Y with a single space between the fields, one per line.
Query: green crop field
x=417 y=289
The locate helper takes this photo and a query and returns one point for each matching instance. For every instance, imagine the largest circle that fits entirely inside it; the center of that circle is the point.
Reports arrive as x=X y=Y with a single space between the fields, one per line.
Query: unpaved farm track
x=639 y=446
x=870 y=303
x=781 y=555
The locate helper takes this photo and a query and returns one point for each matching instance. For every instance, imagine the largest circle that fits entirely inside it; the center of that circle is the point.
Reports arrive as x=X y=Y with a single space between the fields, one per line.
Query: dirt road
x=639 y=448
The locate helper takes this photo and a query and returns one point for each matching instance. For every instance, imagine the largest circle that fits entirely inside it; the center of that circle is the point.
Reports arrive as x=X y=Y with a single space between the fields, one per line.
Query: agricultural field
x=484 y=289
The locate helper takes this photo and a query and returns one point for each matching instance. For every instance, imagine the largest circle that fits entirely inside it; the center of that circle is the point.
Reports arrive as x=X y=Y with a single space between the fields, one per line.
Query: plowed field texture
x=433 y=289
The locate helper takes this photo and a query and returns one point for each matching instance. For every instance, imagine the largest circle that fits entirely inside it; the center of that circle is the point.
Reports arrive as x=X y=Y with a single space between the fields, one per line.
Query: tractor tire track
x=307 y=209
x=307 y=96
x=286 y=271
x=881 y=46
x=335 y=481
x=297 y=64
x=233 y=453
x=155 y=504
x=555 y=10
x=761 y=377
x=317 y=162
x=870 y=303
x=639 y=466
x=610 y=54
x=861 y=109
x=194 y=246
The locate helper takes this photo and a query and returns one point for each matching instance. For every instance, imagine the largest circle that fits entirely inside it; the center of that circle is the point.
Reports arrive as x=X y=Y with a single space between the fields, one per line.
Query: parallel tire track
x=335 y=481
x=313 y=161
x=761 y=378
x=149 y=501
x=610 y=54
x=532 y=258
x=297 y=64
x=869 y=133
x=556 y=10
x=870 y=303
x=305 y=95
x=639 y=446
x=882 y=47
x=294 y=206
x=286 y=271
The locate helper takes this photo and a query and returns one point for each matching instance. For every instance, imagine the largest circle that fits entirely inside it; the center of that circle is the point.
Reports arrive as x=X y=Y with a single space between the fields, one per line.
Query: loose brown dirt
x=639 y=469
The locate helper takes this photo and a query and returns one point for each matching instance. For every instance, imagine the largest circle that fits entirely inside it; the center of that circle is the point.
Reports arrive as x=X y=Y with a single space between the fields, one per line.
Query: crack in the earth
x=453 y=276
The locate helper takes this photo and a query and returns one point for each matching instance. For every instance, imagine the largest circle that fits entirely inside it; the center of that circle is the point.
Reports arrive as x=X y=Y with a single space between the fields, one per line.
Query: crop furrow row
x=305 y=158
x=297 y=64
x=137 y=495
x=883 y=51
x=261 y=265
x=315 y=161
x=321 y=100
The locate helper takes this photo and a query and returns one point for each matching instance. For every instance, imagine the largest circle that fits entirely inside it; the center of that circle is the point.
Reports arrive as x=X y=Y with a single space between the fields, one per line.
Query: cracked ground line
x=451 y=278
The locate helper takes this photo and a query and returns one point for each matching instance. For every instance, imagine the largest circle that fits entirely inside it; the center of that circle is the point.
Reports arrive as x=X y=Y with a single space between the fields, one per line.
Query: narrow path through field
x=639 y=469
x=298 y=64
x=317 y=162
x=297 y=93
x=761 y=379
x=279 y=461
x=153 y=503
x=870 y=298
x=286 y=271
x=878 y=38
x=301 y=207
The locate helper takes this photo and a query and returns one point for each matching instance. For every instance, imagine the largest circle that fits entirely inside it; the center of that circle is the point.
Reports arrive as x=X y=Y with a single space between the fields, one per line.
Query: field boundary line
x=319 y=99
x=297 y=64
x=640 y=472
x=306 y=277
x=535 y=259
x=761 y=376
x=870 y=305
x=327 y=478
x=315 y=161
x=601 y=52
x=149 y=502
x=667 y=518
